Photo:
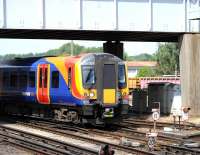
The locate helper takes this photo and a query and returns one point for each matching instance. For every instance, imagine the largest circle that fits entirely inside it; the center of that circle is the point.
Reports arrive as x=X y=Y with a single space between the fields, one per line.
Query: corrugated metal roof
x=141 y=63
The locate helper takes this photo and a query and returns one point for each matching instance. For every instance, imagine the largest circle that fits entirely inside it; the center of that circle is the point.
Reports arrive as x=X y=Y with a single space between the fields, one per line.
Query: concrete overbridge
x=189 y=51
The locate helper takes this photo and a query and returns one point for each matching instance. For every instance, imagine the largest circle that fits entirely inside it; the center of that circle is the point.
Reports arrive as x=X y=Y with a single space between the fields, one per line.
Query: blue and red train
x=90 y=88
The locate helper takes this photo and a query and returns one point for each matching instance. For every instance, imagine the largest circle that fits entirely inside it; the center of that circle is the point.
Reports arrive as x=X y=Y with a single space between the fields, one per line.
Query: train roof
x=84 y=58
x=21 y=61
x=90 y=58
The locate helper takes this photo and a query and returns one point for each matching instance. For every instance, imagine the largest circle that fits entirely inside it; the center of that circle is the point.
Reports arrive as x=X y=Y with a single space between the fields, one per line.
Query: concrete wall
x=190 y=72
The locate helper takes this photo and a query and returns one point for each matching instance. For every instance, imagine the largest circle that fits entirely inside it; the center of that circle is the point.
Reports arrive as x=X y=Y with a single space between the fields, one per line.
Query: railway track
x=69 y=130
x=140 y=122
x=72 y=133
x=165 y=144
x=40 y=144
x=177 y=142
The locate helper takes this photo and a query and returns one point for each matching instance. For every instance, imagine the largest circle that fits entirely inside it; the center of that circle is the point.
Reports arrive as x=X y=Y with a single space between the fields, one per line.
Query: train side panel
x=59 y=91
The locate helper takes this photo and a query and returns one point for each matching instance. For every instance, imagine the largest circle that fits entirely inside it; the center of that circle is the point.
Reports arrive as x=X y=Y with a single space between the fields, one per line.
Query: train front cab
x=107 y=78
x=100 y=79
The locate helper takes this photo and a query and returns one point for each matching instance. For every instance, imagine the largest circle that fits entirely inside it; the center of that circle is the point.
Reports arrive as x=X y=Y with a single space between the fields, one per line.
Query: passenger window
x=31 y=79
x=5 y=79
x=23 y=79
x=45 y=77
x=40 y=80
x=69 y=79
x=13 y=79
x=55 y=79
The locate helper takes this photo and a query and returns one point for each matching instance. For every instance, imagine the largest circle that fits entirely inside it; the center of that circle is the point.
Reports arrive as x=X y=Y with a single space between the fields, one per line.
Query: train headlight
x=91 y=94
x=124 y=94
x=85 y=94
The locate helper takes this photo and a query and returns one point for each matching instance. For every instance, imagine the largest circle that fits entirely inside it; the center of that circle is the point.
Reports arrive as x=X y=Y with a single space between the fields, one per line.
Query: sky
x=97 y=14
x=21 y=46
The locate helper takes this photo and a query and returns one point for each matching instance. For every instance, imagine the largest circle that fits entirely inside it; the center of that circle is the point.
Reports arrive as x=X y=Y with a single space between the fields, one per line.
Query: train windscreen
x=121 y=76
x=88 y=75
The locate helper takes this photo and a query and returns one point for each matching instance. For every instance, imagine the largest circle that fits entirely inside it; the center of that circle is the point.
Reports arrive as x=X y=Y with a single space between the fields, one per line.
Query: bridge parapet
x=144 y=81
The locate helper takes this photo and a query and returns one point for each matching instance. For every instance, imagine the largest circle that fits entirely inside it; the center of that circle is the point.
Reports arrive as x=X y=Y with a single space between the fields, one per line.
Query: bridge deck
x=97 y=35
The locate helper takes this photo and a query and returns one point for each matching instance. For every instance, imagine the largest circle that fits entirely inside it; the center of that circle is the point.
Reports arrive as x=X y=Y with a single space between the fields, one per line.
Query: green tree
x=168 y=59
x=63 y=50
x=146 y=72
x=142 y=57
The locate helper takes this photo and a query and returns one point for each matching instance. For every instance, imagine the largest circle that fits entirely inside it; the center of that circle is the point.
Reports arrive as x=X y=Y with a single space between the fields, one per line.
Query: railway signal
x=185 y=115
x=155 y=115
x=182 y=113
x=152 y=136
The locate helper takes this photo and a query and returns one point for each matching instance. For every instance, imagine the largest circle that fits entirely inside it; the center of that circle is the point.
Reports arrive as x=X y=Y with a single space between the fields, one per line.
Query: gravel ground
x=6 y=149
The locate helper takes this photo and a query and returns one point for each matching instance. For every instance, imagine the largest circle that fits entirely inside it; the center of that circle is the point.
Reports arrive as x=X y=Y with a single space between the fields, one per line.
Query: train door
x=106 y=71
x=109 y=83
x=43 y=74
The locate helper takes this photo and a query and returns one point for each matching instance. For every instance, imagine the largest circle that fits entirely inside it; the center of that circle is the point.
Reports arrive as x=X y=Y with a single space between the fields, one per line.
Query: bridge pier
x=190 y=72
x=115 y=48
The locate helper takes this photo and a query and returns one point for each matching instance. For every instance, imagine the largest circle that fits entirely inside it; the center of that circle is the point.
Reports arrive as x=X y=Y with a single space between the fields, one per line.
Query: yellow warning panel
x=109 y=96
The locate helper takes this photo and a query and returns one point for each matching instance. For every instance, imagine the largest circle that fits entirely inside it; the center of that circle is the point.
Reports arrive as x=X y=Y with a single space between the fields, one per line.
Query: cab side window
x=55 y=79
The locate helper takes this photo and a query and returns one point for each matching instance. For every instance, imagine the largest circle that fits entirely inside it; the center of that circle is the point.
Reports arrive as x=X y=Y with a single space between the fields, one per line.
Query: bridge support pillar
x=115 y=48
x=190 y=72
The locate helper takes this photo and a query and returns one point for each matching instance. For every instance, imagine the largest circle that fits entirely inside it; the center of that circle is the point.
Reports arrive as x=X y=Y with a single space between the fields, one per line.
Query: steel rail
x=95 y=141
x=42 y=144
x=136 y=135
x=159 y=124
